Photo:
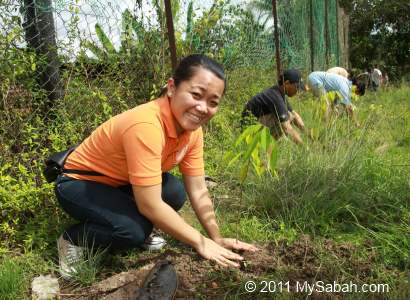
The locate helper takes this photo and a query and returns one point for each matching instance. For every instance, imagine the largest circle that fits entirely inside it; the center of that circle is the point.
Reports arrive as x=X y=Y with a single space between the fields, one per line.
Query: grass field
x=336 y=210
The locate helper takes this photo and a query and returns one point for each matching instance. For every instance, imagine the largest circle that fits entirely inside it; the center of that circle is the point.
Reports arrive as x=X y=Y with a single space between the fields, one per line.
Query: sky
x=106 y=13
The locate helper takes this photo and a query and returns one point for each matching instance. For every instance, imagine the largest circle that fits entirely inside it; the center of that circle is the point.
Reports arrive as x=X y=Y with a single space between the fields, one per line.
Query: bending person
x=272 y=109
x=134 y=152
x=320 y=83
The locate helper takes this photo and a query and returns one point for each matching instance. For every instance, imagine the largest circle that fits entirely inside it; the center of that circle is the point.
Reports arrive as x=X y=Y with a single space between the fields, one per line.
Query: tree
x=380 y=34
x=40 y=36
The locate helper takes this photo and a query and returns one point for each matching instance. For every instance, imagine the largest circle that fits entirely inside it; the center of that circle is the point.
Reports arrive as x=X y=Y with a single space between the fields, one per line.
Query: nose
x=202 y=107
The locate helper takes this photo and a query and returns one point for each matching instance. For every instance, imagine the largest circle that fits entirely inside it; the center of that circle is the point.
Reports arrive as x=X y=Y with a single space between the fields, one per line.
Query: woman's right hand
x=209 y=249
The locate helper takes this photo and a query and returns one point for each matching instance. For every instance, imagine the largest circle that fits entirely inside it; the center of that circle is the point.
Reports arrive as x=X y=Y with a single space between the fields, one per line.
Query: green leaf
x=273 y=156
x=243 y=173
x=254 y=142
x=233 y=160
x=126 y=33
x=265 y=134
x=105 y=41
x=250 y=130
x=189 y=21
x=97 y=51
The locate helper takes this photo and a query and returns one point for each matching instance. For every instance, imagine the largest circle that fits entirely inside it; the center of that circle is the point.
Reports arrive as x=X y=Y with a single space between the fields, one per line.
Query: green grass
x=349 y=185
x=343 y=187
x=88 y=268
x=12 y=280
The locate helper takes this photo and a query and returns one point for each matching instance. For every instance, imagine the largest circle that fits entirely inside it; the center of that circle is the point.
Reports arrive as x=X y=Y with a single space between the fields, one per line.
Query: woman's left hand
x=235 y=244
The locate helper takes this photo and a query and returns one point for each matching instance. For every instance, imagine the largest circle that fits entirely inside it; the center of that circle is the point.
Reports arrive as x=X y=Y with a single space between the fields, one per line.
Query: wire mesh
x=80 y=60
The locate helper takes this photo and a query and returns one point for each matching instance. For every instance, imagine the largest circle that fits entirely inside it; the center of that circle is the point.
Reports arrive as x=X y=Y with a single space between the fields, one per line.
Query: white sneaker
x=69 y=257
x=154 y=242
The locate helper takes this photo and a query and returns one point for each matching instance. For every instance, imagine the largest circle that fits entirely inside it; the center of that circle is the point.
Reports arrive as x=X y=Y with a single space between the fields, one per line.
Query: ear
x=171 y=87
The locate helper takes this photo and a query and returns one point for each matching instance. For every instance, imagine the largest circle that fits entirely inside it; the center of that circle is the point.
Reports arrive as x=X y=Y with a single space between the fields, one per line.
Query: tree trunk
x=40 y=36
x=343 y=35
x=171 y=34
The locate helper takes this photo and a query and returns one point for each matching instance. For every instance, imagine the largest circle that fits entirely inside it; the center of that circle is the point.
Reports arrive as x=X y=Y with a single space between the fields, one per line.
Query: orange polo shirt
x=137 y=146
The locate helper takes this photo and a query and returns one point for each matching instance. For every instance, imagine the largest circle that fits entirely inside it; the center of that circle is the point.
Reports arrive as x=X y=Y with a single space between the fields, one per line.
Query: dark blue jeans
x=109 y=216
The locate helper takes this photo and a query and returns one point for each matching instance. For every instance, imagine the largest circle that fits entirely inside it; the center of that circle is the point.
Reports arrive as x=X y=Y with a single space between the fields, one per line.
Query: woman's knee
x=173 y=191
x=129 y=235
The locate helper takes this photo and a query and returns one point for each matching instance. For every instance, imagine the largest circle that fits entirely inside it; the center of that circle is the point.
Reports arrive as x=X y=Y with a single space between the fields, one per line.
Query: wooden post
x=337 y=33
x=346 y=36
x=171 y=34
x=276 y=34
x=312 y=37
x=327 y=33
x=343 y=20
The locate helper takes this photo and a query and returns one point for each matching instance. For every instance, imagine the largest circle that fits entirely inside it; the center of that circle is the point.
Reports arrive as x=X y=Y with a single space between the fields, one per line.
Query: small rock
x=45 y=288
x=211 y=184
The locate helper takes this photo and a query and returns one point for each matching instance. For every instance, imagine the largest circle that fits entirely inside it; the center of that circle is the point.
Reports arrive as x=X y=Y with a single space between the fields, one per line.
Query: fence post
x=337 y=33
x=312 y=47
x=41 y=37
x=276 y=34
x=171 y=34
x=343 y=19
x=327 y=33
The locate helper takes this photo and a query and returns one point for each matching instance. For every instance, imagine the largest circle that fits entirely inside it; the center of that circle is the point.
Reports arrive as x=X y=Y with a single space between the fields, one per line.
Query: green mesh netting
x=118 y=51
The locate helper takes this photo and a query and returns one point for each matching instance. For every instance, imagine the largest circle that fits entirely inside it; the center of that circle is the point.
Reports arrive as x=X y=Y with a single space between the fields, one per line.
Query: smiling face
x=195 y=101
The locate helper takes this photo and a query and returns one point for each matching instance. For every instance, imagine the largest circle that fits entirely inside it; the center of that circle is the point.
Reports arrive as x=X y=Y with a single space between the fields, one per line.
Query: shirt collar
x=276 y=87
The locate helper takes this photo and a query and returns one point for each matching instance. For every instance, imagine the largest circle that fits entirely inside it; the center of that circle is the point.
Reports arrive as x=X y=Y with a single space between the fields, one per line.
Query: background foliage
x=349 y=184
x=380 y=35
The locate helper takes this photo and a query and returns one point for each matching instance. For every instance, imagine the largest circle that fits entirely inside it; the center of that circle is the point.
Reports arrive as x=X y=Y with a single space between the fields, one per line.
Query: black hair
x=361 y=88
x=188 y=65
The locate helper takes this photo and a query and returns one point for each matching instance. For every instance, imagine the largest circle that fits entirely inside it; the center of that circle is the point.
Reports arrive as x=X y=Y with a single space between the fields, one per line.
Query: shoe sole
x=160 y=283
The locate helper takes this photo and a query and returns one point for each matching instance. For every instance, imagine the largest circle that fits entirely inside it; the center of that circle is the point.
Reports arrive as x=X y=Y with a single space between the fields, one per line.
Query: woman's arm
x=202 y=204
x=164 y=217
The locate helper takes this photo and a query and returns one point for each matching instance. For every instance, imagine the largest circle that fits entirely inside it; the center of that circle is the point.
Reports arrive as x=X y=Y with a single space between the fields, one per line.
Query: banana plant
x=254 y=148
x=198 y=31
x=132 y=34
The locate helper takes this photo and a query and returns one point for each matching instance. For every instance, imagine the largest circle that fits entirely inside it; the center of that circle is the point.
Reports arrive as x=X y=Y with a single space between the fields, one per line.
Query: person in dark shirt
x=272 y=109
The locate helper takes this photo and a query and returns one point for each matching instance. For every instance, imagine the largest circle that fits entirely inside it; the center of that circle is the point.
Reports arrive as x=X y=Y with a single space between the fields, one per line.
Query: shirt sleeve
x=143 y=145
x=280 y=110
x=288 y=105
x=345 y=91
x=193 y=162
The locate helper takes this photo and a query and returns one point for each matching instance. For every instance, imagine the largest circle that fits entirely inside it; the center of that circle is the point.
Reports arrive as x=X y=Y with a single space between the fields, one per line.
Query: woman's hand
x=213 y=251
x=236 y=244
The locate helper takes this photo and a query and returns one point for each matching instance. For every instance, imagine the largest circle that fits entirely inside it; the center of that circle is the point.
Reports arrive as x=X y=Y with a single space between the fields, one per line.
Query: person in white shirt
x=339 y=71
x=376 y=78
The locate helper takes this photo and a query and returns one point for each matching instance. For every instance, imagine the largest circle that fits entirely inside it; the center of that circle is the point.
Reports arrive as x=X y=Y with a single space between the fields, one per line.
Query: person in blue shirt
x=320 y=83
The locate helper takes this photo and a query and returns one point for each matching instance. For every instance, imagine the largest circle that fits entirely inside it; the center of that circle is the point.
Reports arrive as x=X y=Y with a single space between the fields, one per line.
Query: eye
x=213 y=103
x=196 y=95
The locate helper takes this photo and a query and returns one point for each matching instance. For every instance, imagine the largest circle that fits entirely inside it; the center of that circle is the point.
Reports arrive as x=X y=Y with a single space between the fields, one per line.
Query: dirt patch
x=300 y=261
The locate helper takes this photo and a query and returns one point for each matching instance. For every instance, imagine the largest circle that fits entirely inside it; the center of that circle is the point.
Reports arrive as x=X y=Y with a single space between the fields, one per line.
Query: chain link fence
x=87 y=60
x=68 y=65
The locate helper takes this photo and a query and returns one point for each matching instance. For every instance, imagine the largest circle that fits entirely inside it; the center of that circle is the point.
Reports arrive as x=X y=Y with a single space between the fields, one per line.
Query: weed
x=12 y=280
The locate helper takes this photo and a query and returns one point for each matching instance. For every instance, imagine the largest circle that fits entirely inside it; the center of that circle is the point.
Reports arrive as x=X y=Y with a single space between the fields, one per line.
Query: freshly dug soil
x=298 y=262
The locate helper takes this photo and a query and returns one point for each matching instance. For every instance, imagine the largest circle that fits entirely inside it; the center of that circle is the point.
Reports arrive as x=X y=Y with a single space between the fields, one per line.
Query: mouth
x=194 y=118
